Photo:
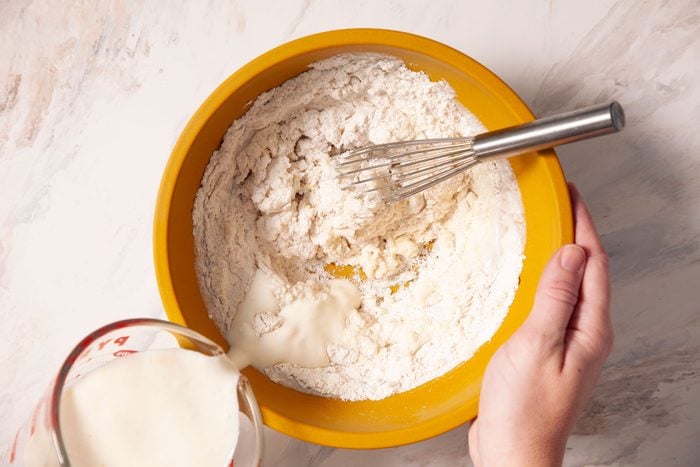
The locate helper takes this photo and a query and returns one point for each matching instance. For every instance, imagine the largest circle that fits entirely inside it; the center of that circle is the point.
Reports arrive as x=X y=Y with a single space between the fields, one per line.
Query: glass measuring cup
x=41 y=441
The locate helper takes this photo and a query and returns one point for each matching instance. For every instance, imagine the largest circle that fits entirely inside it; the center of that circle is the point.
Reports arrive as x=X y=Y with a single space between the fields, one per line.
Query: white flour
x=270 y=204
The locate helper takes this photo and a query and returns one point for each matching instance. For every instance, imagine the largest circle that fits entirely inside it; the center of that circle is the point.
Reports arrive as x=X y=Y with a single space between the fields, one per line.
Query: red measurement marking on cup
x=35 y=415
x=13 y=448
x=124 y=352
x=118 y=341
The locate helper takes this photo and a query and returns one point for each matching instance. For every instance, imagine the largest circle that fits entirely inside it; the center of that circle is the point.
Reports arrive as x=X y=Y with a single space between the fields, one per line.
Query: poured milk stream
x=157 y=408
x=302 y=329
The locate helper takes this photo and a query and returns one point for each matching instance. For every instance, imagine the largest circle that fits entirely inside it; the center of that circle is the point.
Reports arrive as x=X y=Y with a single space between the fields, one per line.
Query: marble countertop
x=93 y=96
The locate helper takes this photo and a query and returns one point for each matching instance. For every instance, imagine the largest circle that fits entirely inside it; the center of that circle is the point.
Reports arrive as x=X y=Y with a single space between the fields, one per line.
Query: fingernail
x=572 y=258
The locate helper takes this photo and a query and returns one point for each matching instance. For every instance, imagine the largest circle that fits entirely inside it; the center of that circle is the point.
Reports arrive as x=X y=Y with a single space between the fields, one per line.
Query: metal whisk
x=402 y=169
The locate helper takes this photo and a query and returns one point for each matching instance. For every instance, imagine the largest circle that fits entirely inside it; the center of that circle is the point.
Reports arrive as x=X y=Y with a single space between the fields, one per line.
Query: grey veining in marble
x=93 y=96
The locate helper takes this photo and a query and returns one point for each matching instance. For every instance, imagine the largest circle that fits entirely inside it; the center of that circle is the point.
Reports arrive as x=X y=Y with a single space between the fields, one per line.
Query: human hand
x=537 y=384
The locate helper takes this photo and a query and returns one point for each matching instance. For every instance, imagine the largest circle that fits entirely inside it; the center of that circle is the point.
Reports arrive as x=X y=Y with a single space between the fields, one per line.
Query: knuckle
x=561 y=292
x=540 y=343
x=599 y=345
x=608 y=341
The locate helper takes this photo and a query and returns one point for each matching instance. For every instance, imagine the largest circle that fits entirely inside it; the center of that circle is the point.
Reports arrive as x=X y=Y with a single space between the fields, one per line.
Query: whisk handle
x=550 y=131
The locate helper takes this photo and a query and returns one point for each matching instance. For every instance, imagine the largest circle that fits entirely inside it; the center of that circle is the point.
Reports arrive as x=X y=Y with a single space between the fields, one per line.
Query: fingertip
x=473 y=442
x=572 y=258
x=585 y=232
x=573 y=190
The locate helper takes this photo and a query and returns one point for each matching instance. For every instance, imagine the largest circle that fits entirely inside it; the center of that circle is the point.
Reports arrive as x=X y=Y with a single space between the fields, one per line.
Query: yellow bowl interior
x=438 y=405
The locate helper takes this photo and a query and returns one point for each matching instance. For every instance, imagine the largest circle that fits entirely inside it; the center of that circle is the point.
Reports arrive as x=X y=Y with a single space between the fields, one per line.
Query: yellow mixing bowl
x=438 y=405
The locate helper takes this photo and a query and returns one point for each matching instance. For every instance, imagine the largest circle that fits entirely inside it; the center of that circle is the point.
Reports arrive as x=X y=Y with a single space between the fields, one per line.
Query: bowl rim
x=314 y=42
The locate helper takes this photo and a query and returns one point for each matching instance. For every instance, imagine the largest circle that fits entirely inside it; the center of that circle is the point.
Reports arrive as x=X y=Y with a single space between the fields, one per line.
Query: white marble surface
x=94 y=94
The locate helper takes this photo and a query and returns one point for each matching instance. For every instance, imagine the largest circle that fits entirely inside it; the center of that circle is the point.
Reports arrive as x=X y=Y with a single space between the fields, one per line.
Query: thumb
x=557 y=292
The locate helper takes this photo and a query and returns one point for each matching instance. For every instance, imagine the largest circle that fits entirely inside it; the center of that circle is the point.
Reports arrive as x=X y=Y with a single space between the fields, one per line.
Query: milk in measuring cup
x=169 y=407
